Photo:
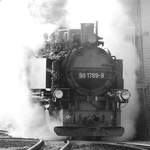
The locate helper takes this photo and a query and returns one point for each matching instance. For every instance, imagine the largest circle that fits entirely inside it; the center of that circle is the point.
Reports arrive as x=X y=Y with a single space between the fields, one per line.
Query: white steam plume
x=49 y=11
x=20 y=33
x=114 y=26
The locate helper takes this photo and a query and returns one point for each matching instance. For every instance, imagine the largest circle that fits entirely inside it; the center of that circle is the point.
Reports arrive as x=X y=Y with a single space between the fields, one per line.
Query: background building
x=144 y=23
x=139 y=12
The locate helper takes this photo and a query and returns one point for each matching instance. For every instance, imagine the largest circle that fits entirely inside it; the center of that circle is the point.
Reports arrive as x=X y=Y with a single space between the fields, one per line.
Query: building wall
x=145 y=33
x=139 y=12
x=145 y=23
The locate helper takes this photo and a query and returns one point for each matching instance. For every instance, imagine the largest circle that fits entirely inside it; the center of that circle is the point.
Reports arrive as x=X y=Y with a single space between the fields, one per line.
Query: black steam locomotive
x=84 y=81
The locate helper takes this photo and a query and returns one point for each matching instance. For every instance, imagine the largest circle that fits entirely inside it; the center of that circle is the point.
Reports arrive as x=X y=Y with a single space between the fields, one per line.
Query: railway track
x=17 y=143
x=11 y=143
x=4 y=134
x=36 y=144
x=84 y=145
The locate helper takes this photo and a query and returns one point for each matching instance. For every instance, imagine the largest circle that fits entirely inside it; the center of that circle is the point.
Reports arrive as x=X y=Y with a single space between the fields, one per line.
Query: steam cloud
x=23 y=23
x=115 y=26
x=21 y=32
x=127 y=51
x=49 y=11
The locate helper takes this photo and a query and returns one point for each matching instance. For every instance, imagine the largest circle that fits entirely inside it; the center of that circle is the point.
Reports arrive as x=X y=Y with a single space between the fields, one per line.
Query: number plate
x=91 y=75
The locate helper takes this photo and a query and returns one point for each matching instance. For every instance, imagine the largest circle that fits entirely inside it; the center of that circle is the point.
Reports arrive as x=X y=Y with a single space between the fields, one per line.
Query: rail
x=67 y=146
x=76 y=145
x=92 y=145
x=138 y=144
x=38 y=146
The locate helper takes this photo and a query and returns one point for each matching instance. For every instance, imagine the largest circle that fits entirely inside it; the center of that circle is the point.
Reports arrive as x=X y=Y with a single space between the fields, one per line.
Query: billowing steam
x=23 y=23
x=49 y=11
x=21 y=32
x=116 y=28
x=126 y=50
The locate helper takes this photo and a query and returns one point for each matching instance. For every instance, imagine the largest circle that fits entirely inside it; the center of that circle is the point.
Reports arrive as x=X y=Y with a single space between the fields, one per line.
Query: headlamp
x=58 y=93
x=125 y=94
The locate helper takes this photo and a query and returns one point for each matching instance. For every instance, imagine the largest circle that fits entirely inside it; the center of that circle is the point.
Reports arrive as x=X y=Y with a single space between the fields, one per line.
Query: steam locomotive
x=84 y=81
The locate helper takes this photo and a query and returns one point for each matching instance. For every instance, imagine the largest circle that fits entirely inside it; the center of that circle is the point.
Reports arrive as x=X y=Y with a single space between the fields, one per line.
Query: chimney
x=87 y=33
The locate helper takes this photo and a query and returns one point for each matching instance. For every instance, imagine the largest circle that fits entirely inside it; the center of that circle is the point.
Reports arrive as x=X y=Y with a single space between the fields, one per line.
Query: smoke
x=126 y=50
x=21 y=32
x=23 y=23
x=118 y=31
x=121 y=41
x=49 y=11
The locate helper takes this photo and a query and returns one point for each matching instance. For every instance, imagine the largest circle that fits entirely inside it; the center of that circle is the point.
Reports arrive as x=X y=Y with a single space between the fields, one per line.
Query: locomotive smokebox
x=87 y=33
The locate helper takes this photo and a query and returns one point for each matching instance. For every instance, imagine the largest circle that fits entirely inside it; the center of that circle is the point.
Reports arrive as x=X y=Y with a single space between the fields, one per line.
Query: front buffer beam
x=88 y=131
